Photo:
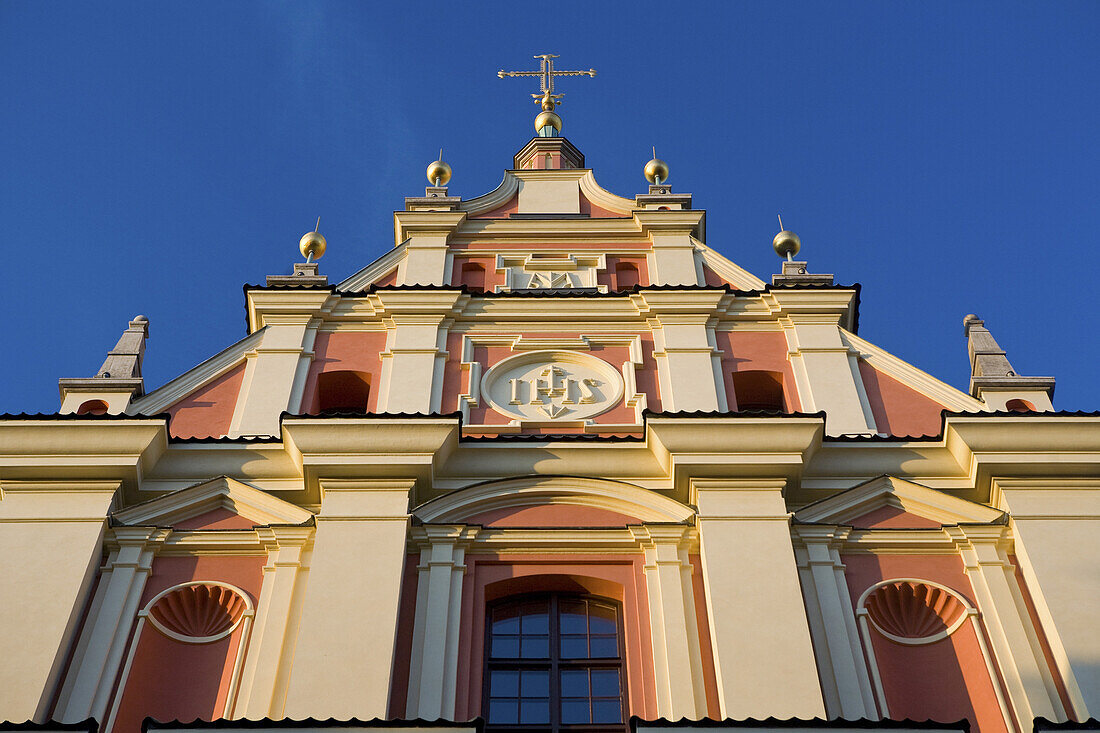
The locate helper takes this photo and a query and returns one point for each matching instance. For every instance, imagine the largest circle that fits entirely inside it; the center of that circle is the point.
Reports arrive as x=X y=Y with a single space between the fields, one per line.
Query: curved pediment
x=558 y=191
x=621 y=499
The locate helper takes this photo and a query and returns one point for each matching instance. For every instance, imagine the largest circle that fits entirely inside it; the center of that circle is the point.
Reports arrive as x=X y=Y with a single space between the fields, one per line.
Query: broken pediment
x=212 y=505
x=888 y=502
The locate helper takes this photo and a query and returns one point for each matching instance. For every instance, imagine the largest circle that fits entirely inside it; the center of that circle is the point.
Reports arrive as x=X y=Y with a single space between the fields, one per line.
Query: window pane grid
x=554 y=663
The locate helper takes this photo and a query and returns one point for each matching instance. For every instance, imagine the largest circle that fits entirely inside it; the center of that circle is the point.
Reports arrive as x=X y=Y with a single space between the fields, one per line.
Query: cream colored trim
x=380 y=267
x=602 y=197
x=911 y=376
x=217 y=493
x=616 y=496
x=502 y=194
x=908 y=496
x=726 y=269
x=163 y=397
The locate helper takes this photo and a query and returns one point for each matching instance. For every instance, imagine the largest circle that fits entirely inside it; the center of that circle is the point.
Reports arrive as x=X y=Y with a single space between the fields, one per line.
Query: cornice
x=407 y=224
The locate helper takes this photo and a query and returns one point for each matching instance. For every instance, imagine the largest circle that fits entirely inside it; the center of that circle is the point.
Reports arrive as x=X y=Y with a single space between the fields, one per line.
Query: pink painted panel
x=208 y=411
x=348 y=350
x=898 y=408
x=390 y=278
x=399 y=685
x=173 y=680
x=216 y=519
x=946 y=680
x=889 y=517
x=492 y=279
x=748 y=350
x=597 y=212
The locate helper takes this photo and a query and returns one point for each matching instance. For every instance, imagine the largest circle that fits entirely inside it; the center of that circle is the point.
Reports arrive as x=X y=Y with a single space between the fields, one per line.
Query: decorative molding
x=890 y=491
x=163 y=397
x=913 y=612
x=222 y=492
x=911 y=376
x=198 y=612
x=381 y=266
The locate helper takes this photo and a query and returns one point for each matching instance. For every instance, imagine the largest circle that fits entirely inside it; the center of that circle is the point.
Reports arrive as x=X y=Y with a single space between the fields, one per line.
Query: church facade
x=552 y=463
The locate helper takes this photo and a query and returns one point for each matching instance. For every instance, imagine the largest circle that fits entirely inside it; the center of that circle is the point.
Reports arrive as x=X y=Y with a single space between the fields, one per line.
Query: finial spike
x=317 y=226
x=780 y=217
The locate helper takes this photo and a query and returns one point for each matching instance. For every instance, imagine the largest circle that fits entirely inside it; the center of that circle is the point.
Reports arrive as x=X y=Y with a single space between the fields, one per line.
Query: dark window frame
x=554 y=665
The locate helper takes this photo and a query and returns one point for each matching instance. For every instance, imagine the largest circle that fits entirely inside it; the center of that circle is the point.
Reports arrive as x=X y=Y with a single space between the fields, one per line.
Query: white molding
x=646 y=506
x=372 y=272
x=222 y=492
x=165 y=396
x=603 y=198
x=911 y=376
x=901 y=494
x=502 y=194
x=727 y=269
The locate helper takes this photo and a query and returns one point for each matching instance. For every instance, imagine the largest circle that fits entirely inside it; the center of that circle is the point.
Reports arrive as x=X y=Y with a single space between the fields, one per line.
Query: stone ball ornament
x=656 y=171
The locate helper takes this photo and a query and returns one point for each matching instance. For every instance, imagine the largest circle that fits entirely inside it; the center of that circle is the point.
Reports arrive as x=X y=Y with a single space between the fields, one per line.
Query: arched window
x=626 y=276
x=757 y=389
x=342 y=391
x=473 y=276
x=554 y=663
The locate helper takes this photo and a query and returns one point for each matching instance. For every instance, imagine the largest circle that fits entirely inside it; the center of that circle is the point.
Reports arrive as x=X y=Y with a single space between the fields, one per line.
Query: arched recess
x=617 y=497
x=916 y=636
x=186 y=656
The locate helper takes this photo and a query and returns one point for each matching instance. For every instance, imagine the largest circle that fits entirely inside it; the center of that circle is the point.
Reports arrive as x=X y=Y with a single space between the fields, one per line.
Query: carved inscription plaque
x=541 y=386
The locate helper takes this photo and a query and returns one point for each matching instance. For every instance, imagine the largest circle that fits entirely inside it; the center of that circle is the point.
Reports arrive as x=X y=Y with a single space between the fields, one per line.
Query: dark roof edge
x=89 y=724
x=152 y=724
x=964 y=724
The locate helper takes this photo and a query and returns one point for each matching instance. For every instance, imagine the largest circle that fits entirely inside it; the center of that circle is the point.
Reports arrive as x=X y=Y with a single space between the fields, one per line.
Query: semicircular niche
x=914 y=612
x=198 y=613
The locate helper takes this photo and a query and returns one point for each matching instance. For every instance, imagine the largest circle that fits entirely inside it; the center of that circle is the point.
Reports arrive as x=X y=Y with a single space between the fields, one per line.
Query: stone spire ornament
x=994 y=381
x=786 y=245
x=116 y=383
x=312 y=245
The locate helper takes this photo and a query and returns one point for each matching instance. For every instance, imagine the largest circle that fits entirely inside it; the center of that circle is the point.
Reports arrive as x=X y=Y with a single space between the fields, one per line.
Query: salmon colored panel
x=712 y=278
x=492 y=278
x=597 y=212
x=749 y=350
x=345 y=350
x=889 y=517
x=1044 y=643
x=216 y=519
x=390 y=278
x=172 y=680
x=208 y=411
x=491 y=576
x=946 y=680
x=501 y=212
x=899 y=409
x=399 y=686
x=607 y=276
x=552 y=515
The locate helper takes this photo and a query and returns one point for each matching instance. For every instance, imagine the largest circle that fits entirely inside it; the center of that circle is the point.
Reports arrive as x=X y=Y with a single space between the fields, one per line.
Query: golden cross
x=546 y=80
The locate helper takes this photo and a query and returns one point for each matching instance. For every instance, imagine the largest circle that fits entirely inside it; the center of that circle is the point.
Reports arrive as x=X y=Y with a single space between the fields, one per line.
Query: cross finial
x=546 y=75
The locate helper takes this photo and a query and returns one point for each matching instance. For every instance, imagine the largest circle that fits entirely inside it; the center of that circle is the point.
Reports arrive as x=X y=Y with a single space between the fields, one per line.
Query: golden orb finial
x=438 y=171
x=313 y=244
x=786 y=243
x=656 y=170
x=547 y=118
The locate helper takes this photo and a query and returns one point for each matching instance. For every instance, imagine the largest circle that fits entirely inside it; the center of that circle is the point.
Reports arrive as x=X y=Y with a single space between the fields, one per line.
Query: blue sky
x=157 y=156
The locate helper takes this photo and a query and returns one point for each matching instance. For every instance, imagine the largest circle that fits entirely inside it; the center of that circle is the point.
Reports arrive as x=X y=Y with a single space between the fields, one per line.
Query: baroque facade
x=551 y=463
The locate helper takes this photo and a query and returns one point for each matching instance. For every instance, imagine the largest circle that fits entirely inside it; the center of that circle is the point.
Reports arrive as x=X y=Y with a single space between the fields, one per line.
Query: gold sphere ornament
x=312 y=245
x=439 y=172
x=656 y=171
x=546 y=117
x=786 y=244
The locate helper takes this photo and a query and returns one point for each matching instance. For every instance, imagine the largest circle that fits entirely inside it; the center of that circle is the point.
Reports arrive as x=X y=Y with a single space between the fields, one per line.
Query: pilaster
x=343 y=658
x=412 y=364
x=275 y=371
x=110 y=621
x=763 y=655
x=1015 y=646
x=672 y=258
x=826 y=370
x=688 y=362
x=674 y=627
x=845 y=681
x=271 y=641
x=433 y=667
x=425 y=234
